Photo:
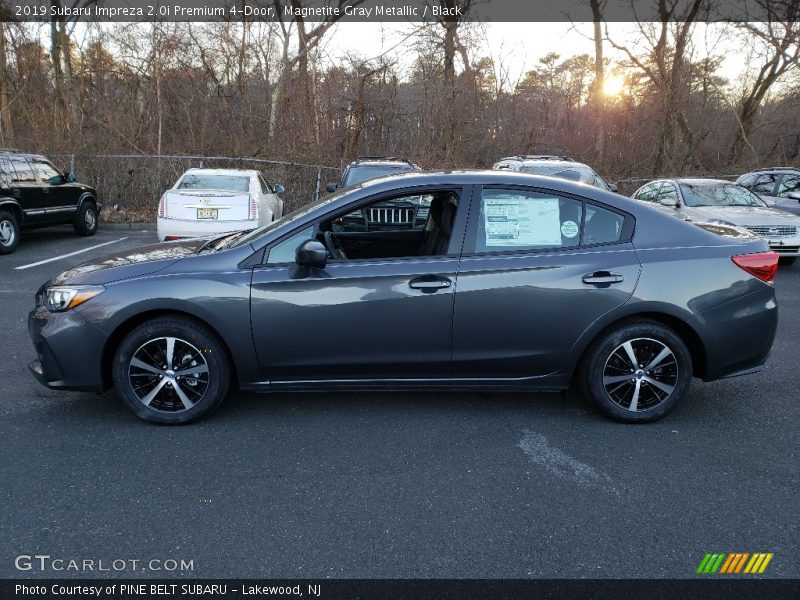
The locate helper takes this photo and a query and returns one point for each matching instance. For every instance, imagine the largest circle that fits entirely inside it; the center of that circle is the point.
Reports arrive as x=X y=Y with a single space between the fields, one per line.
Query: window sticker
x=569 y=229
x=522 y=221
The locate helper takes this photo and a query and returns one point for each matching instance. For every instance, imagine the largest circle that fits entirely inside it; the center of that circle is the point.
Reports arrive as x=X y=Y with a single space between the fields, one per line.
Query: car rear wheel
x=637 y=373
x=86 y=220
x=9 y=232
x=171 y=370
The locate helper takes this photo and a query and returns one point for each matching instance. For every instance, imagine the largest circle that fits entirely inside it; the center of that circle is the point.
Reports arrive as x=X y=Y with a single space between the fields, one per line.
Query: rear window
x=576 y=172
x=362 y=173
x=226 y=183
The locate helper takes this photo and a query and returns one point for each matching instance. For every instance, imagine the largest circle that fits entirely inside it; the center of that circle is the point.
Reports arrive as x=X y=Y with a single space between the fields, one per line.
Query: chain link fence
x=135 y=183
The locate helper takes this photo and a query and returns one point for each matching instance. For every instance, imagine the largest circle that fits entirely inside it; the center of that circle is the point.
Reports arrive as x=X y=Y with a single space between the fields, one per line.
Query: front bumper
x=69 y=351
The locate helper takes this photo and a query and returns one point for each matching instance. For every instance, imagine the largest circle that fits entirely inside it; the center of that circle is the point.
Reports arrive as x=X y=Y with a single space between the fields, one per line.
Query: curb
x=137 y=226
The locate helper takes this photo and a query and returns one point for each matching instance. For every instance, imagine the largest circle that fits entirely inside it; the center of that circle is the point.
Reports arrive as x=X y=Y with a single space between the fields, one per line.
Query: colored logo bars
x=734 y=562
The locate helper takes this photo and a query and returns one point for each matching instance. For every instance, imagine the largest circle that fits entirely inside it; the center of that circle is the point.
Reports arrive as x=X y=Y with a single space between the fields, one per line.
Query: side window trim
x=471 y=232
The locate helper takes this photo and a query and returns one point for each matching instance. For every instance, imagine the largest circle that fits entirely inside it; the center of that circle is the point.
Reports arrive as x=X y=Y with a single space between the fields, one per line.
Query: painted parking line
x=42 y=262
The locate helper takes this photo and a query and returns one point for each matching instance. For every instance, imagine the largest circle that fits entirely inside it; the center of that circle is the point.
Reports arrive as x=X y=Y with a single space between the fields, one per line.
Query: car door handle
x=602 y=278
x=428 y=284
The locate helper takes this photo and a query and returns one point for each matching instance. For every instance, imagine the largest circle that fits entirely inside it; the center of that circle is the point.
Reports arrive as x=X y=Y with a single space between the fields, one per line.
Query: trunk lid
x=208 y=205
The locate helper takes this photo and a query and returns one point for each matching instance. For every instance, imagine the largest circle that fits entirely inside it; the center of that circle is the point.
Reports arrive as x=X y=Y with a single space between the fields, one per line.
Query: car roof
x=248 y=172
x=383 y=161
x=486 y=177
x=701 y=181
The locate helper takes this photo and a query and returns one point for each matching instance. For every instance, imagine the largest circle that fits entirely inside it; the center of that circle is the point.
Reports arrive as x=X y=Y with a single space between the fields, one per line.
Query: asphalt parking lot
x=385 y=485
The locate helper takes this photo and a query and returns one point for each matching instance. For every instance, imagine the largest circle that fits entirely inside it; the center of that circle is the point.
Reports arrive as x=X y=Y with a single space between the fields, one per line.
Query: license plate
x=207 y=213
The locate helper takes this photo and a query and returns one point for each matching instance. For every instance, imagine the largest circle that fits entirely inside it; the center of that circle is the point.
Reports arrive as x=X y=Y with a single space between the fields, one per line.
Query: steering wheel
x=330 y=243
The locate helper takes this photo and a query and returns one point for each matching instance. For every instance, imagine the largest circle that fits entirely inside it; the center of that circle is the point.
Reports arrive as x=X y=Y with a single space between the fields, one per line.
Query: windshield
x=359 y=174
x=719 y=195
x=576 y=172
x=203 y=181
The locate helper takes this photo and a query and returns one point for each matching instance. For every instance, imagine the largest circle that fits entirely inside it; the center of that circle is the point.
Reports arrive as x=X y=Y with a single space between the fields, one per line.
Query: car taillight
x=162 y=207
x=253 y=209
x=763 y=265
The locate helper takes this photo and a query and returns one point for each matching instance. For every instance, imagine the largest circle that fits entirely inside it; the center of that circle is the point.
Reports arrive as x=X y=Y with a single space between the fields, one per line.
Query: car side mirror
x=69 y=177
x=671 y=202
x=278 y=189
x=794 y=196
x=331 y=187
x=613 y=187
x=312 y=254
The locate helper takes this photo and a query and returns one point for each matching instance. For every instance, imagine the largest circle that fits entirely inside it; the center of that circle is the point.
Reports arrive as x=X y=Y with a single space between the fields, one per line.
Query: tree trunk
x=599 y=81
x=6 y=123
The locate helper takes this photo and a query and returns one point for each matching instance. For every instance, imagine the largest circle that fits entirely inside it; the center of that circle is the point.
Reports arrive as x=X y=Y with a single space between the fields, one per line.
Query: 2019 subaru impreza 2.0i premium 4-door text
x=515 y=282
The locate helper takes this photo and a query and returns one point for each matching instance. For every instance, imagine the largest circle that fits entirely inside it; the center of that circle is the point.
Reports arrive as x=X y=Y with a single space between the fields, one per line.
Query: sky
x=520 y=45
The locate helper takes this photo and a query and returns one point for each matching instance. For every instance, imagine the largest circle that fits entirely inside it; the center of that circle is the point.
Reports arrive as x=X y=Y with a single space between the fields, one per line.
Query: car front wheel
x=9 y=232
x=86 y=220
x=171 y=371
x=637 y=373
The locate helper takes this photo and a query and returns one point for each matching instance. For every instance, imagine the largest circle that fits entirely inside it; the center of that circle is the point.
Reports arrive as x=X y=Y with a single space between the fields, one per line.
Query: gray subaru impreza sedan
x=513 y=281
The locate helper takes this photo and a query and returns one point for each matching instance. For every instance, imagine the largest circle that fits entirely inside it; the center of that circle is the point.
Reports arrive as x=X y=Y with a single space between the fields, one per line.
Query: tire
x=787 y=261
x=609 y=379
x=164 y=396
x=85 y=223
x=9 y=232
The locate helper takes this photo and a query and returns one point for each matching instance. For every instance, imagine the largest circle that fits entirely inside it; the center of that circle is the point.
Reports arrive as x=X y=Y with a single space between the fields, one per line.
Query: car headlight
x=61 y=298
x=722 y=222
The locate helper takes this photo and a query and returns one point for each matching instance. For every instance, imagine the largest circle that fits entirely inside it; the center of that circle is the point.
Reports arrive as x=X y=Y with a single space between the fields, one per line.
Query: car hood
x=744 y=215
x=130 y=263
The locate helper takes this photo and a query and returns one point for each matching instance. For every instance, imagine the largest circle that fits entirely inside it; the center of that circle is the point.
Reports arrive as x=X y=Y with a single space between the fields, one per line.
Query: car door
x=788 y=192
x=27 y=190
x=60 y=198
x=538 y=269
x=363 y=319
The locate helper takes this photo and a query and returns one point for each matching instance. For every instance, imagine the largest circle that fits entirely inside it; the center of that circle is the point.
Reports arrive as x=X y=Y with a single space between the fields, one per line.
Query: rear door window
x=22 y=170
x=521 y=220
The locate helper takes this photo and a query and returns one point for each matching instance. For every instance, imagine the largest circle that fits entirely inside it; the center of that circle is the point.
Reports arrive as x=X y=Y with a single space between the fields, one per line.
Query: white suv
x=215 y=201
x=553 y=166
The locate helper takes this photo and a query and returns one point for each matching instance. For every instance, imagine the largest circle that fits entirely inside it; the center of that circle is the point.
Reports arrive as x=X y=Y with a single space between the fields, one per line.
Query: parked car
x=517 y=282
x=411 y=212
x=213 y=201
x=778 y=186
x=719 y=201
x=34 y=193
x=554 y=166
x=369 y=167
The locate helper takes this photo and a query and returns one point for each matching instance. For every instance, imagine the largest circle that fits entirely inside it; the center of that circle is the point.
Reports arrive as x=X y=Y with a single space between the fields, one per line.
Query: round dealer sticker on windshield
x=569 y=229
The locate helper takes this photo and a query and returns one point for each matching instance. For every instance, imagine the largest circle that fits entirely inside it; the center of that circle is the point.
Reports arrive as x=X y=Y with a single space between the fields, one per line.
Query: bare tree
x=776 y=45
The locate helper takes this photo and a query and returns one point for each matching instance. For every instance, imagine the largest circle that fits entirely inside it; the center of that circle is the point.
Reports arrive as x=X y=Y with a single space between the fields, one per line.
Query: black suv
x=411 y=213
x=34 y=193
x=368 y=167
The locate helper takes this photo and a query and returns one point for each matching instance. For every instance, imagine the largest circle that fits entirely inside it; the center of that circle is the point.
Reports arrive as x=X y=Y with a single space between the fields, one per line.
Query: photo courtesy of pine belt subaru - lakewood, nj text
x=513 y=281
